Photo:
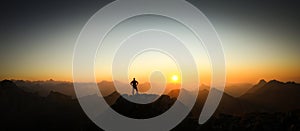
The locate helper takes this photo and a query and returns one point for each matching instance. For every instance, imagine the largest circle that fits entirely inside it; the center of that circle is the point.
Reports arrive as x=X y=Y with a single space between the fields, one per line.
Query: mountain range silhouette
x=269 y=105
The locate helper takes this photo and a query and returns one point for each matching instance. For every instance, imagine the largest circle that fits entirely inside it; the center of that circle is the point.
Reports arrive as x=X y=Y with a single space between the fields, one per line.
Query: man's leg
x=132 y=91
x=136 y=90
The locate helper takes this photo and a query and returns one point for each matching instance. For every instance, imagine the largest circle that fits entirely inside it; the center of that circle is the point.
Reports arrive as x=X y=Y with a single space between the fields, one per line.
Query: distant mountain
x=13 y=99
x=144 y=87
x=256 y=87
x=106 y=87
x=228 y=104
x=112 y=98
x=43 y=88
x=263 y=97
x=274 y=95
x=21 y=110
x=237 y=89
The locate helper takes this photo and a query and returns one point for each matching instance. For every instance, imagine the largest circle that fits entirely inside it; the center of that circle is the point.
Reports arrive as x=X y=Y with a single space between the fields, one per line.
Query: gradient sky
x=260 y=38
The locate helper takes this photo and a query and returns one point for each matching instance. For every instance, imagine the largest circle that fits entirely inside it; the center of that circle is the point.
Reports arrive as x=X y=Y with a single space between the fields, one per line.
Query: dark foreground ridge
x=143 y=111
x=21 y=110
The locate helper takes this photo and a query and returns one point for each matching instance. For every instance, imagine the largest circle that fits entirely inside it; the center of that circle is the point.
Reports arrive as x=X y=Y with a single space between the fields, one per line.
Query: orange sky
x=240 y=68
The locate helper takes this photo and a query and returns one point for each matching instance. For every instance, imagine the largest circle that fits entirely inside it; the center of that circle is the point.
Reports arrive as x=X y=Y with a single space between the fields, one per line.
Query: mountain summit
x=256 y=87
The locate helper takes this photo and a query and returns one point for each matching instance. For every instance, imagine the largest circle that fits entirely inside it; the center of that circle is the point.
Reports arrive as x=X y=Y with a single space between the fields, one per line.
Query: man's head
x=133 y=78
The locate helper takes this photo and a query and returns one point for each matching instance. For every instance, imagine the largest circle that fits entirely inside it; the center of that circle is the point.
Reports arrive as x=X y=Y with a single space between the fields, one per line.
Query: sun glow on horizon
x=174 y=78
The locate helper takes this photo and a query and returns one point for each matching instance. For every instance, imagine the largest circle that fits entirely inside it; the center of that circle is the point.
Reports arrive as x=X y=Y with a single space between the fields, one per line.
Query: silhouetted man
x=134 y=84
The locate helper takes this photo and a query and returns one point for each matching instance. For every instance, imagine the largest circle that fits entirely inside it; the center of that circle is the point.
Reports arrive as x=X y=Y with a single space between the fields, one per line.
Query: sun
x=174 y=78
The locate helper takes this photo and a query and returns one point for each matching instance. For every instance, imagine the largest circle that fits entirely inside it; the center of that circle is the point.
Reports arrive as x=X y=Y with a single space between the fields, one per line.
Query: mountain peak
x=58 y=96
x=7 y=84
x=274 y=81
x=260 y=84
x=262 y=81
x=256 y=87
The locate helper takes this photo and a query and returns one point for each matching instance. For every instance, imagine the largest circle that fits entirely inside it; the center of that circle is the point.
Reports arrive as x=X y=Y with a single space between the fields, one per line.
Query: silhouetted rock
x=143 y=111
